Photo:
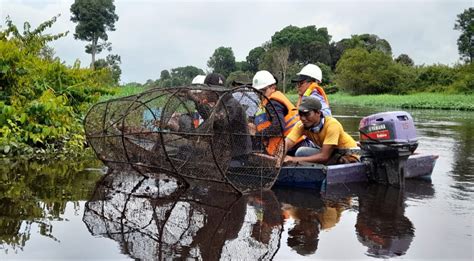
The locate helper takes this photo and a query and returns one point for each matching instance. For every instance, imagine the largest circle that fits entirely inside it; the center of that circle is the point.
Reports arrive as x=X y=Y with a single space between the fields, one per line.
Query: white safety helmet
x=312 y=71
x=262 y=79
x=199 y=79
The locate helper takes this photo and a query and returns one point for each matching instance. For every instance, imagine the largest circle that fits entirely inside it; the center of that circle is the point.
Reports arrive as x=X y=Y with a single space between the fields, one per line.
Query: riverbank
x=412 y=101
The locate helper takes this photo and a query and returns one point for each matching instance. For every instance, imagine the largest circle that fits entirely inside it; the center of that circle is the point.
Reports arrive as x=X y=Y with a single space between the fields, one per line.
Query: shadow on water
x=153 y=218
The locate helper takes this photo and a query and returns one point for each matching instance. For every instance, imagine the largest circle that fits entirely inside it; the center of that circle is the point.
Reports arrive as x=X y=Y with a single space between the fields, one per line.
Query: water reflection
x=154 y=218
x=381 y=223
x=33 y=215
x=463 y=165
x=33 y=194
x=309 y=214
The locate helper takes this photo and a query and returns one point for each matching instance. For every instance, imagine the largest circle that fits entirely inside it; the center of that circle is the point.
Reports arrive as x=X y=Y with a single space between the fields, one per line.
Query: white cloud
x=155 y=35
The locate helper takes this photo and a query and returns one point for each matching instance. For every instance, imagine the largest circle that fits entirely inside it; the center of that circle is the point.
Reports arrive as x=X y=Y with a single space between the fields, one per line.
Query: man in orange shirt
x=335 y=146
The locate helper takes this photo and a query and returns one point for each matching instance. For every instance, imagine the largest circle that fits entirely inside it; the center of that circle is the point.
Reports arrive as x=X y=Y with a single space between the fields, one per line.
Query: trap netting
x=199 y=132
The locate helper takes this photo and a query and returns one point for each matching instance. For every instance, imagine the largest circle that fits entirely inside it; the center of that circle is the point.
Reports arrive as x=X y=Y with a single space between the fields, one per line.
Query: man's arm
x=294 y=135
x=289 y=144
x=322 y=157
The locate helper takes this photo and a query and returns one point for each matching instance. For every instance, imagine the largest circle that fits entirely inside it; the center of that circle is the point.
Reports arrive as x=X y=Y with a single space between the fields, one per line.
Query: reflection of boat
x=387 y=140
x=153 y=218
x=381 y=222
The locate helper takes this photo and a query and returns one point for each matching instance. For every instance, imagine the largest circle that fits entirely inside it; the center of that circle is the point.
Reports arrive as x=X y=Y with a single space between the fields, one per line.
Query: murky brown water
x=56 y=211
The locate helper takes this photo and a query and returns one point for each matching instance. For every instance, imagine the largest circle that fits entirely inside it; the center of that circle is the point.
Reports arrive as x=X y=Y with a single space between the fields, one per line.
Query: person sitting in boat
x=276 y=113
x=307 y=84
x=334 y=145
x=230 y=119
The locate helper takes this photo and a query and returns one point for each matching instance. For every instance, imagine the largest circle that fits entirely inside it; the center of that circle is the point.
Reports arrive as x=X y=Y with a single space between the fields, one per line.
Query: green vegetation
x=223 y=61
x=126 y=90
x=359 y=65
x=42 y=101
x=362 y=72
x=411 y=101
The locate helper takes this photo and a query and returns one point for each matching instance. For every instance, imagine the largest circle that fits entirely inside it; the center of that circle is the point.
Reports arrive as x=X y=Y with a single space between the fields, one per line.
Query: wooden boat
x=316 y=176
x=388 y=141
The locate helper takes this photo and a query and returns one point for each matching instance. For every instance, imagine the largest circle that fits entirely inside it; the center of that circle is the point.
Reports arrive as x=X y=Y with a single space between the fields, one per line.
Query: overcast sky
x=155 y=35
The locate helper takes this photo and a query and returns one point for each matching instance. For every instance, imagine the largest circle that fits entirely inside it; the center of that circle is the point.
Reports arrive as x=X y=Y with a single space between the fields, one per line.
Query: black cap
x=215 y=79
x=309 y=103
x=301 y=77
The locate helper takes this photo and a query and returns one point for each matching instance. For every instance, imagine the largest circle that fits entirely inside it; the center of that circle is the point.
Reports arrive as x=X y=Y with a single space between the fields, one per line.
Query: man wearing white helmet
x=307 y=81
x=278 y=105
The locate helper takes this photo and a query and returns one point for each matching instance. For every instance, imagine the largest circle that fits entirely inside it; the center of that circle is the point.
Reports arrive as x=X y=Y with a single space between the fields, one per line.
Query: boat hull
x=317 y=175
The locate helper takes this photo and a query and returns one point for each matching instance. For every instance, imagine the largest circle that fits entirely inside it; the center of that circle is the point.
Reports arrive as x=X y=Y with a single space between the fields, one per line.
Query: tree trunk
x=281 y=58
x=93 y=52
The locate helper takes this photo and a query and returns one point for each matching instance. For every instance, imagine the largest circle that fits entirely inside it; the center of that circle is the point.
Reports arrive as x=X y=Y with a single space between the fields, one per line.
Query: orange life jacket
x=314 y=87
x=262 y=122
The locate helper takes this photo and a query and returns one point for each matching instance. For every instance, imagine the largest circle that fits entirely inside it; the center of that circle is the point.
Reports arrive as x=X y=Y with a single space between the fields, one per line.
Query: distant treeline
x=362 y=64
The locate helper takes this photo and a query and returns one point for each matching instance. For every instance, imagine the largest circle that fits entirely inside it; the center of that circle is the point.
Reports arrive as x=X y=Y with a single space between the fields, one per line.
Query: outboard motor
x=387 y=140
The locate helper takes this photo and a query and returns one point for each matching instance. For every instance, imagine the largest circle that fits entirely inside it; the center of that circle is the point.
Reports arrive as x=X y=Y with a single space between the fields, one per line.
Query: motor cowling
x=387 y=140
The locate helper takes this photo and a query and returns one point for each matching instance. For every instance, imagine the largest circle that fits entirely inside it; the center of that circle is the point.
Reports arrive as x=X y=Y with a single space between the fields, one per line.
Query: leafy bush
x=42 y=101
x=362 y=72
x=435 y=77
x=464 y=80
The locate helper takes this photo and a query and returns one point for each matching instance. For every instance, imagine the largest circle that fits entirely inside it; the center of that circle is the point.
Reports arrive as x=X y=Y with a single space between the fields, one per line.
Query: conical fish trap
x=196 y=133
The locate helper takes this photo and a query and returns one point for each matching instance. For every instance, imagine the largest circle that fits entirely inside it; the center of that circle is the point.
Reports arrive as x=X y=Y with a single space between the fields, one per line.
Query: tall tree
x=307 y=44
x=369 y=42
x=465 y=24
x=222 y=61
x=404 y=59
x=255 y=58
x=186 y=72
x=281 y=58
x=94 y=18
x=362 y=72
x=165 y=74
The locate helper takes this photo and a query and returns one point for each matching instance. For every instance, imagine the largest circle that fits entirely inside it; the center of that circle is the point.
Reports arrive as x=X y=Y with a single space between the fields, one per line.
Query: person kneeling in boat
x=276 y=114
x=334 y=145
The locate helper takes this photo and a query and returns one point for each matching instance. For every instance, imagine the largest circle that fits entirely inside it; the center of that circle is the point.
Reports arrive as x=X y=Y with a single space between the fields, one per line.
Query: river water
x=59 y=210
